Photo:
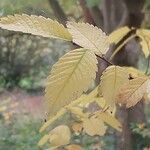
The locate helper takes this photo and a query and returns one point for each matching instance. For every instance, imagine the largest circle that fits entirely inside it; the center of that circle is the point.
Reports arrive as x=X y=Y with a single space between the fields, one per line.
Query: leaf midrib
x=69 y=77
x=137 y=88
x=88 y=40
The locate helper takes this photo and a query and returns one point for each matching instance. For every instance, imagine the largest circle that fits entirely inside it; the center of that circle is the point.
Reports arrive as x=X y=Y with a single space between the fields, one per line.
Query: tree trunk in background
x=116 y=14
x=110 y=15
x=58 y=11
x=86 y=12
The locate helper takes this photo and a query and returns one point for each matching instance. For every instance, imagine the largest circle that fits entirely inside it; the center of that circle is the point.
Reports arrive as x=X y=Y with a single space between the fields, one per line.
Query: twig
x=103 y=58
x=121 y=45
x=148 y=63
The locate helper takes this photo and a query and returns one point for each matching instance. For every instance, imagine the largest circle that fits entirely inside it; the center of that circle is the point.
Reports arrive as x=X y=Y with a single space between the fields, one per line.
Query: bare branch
x=87 y=15
x=58 y=11
x=125 y=16
x=97 y=16
x=103 y=58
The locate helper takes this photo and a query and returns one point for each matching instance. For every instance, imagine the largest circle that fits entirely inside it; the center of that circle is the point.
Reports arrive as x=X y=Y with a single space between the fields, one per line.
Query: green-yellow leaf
x=94 y=126
x=101 y=102
x=60 y=135
x=133 y=91
x=88 y=98
x=74 y=147
x=111 y=80
x=144 y=34
x=89 y=37
x=43 y=140
x=36 y=25
x=118 y=34
x=147 y=97
x=81 y=101
x=78 y=112
x=61 y=112
x=110 y=120
x=133 y=72
x=70 y=77
x=77 y=127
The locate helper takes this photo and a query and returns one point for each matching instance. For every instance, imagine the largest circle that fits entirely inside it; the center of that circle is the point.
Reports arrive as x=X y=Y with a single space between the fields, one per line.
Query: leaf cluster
x=73 y=74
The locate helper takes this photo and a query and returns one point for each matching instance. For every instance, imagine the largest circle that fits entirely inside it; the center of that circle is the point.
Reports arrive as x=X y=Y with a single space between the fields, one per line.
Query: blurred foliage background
x=25 y=62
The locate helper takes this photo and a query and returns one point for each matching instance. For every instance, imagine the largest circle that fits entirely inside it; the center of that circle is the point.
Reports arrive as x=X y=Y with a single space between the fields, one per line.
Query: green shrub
x=21 y=133
x=25 y=60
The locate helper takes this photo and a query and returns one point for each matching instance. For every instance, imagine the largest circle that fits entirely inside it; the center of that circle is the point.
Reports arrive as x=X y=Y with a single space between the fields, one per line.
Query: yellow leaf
x=60 y=135
x=118 y=34
x=36 y=25
x=77 y=127
x=147 y=97
x=88 y=98
x=74 y=147
x=145 y=46
x=81 y=101
x=110 y=120
x=70 y=77
x=94 y=126
x=43 y=140
x=111 y=80
x=133 y=72
x=89 y=37
x=146 y=148
x=53 y=148
x=78 y=112
x=133 y=91
x=3 y=108
x=52 y=119
x=100 y=101
x=144 y=34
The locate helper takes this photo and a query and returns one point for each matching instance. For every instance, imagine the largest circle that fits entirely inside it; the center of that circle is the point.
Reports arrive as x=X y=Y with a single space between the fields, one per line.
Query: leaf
x=111 y=80
x=145 y=47
x=118 y=34
x=53 y=148
x=70 y=77
x=52 y=119
x=78 y=112
x=36 y=25
x=110 y=120
x=60 y=135
x=43 y=140
x=133 y=72
x=101 y=102
x=144 y=34
x=74 y=147
x=89 y=37
x=81 y=101
x=147 y=98
x=94 y=126
x=85 y=99
x=77 y=127
x=3 y=108
x=133 y=91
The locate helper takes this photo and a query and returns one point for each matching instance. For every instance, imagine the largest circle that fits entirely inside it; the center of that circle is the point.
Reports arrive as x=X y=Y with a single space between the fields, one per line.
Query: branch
x=97 y=16
x=125 y=16
x=106 y=8
x=87 y=15
x=103 y=58
x=58 y=11
x=135 y=12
